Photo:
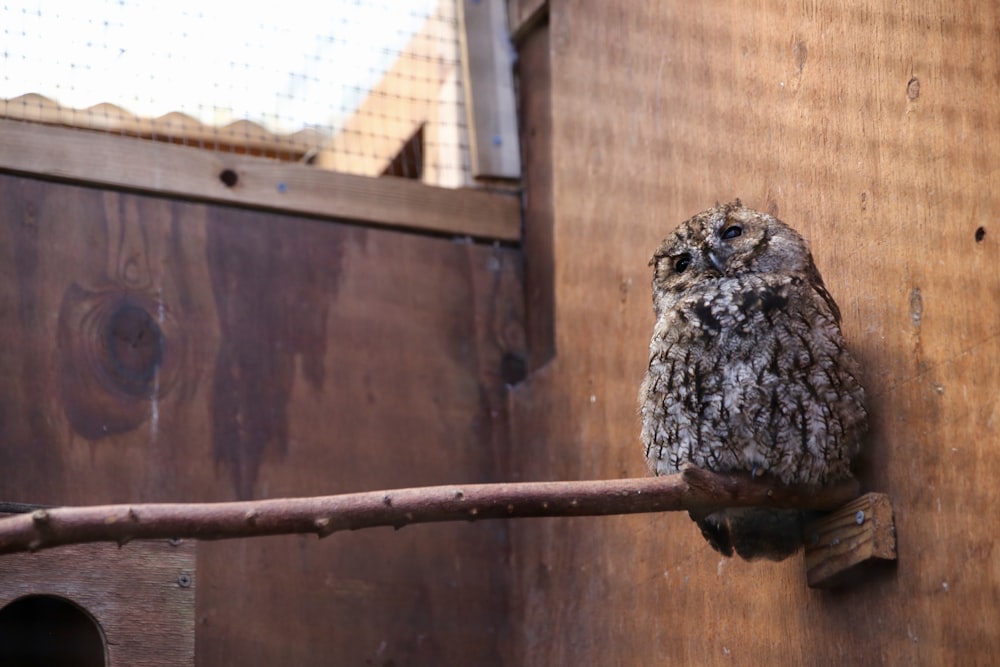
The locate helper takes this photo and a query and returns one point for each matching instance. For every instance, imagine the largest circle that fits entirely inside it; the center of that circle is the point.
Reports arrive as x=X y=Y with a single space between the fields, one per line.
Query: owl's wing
x=816 y=281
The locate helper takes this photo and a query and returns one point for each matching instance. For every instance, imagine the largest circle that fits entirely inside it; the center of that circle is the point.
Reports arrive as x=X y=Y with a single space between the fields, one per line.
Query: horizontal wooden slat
x=105 y=159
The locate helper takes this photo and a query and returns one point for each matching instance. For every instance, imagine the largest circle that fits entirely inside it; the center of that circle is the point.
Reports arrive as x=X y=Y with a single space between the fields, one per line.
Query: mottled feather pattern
x=748 y=369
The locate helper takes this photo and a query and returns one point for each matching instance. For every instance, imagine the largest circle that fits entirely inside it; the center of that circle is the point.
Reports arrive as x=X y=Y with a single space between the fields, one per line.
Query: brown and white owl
x=748 y=370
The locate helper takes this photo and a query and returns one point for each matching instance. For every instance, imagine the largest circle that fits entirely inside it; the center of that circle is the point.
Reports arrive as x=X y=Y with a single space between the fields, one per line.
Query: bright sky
x=285 y=64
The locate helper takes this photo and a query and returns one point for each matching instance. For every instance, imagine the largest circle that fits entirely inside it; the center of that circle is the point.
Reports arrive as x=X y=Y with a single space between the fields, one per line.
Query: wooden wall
x=157 y=349
x=162 y=350
x=872 y=127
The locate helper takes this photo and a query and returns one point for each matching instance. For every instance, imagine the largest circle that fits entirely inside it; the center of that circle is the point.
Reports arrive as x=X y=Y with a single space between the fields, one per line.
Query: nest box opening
x=48 y=630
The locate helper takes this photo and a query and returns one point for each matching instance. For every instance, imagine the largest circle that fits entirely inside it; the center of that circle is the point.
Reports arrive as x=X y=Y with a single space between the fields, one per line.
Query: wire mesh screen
x=358 y=86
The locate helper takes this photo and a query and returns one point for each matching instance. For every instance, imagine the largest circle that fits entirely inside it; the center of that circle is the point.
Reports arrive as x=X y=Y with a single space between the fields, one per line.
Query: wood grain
x=258 y=355
x=248 y=181
x=808 y=110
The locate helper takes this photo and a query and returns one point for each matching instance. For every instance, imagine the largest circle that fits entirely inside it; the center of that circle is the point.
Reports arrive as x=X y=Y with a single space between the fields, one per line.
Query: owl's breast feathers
x=752 y=372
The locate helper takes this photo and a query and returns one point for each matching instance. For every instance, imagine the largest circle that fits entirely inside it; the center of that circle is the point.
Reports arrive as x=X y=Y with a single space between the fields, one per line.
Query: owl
x=748 y=370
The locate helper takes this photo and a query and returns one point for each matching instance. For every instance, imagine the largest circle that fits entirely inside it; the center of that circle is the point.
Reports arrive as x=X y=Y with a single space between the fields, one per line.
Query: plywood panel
x=871 y=129
x=162 y=350
x=141 y=596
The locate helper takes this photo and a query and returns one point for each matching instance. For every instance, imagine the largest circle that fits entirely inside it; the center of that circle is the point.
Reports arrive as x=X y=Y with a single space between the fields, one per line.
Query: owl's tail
x=755 y=532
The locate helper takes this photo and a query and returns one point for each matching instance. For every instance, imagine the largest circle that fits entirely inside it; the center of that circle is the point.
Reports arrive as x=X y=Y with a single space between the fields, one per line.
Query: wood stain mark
x=272 y=284
x=801 y=53
x=916 y=307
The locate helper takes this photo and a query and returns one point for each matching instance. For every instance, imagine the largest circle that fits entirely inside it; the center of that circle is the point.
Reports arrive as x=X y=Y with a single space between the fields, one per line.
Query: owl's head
x=728 y=241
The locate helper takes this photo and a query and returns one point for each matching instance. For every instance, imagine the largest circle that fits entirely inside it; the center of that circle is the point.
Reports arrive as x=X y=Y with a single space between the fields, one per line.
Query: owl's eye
x=732 y=232
x=681 y=263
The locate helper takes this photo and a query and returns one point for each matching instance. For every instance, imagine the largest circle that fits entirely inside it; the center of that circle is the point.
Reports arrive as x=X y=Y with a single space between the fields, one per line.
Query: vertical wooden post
x=487 y=62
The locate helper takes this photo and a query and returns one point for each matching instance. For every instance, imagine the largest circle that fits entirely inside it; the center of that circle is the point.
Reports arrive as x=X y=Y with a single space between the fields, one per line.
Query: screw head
x=860 y=517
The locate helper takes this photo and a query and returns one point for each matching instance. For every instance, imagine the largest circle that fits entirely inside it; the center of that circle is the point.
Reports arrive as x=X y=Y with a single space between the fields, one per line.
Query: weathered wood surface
x=158 y=351
x=141 y=596
x=872 y=129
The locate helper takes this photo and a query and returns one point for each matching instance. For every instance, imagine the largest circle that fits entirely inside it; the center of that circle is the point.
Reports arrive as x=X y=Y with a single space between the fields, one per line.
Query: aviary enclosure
x=411 y=250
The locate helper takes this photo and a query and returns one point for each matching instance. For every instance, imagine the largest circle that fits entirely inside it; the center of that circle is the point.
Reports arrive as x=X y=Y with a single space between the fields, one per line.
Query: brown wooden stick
x=692 y=490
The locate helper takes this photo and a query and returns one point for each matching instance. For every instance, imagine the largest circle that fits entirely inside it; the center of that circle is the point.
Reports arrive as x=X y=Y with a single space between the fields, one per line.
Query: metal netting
x=357 y=86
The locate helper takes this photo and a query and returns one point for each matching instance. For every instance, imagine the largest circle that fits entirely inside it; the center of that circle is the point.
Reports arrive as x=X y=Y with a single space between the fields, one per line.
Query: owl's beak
x=715 y=261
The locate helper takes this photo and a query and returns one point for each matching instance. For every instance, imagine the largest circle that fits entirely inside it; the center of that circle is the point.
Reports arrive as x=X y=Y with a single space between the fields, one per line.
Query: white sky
x=285 y=64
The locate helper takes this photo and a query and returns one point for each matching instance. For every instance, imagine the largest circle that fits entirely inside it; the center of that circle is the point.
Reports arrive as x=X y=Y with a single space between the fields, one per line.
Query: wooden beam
x=535 y=88
x=104 y=159
x=487 y=61
x=840 y=543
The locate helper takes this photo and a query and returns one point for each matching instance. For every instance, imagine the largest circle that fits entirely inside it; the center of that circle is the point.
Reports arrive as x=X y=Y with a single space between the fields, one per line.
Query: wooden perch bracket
x=842 y=545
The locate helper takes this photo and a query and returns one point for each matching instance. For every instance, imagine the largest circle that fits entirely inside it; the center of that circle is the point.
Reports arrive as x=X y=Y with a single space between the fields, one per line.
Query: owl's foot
x=753 y=532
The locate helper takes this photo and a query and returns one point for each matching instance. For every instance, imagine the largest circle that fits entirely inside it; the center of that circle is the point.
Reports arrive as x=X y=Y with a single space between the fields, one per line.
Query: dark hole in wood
x=980 y=235
x=513 y=368
x=229 y=177
x=49 y=631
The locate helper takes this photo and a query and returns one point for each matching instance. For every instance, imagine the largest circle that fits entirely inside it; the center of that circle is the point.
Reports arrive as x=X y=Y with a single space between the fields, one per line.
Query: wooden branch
x=694 y=490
